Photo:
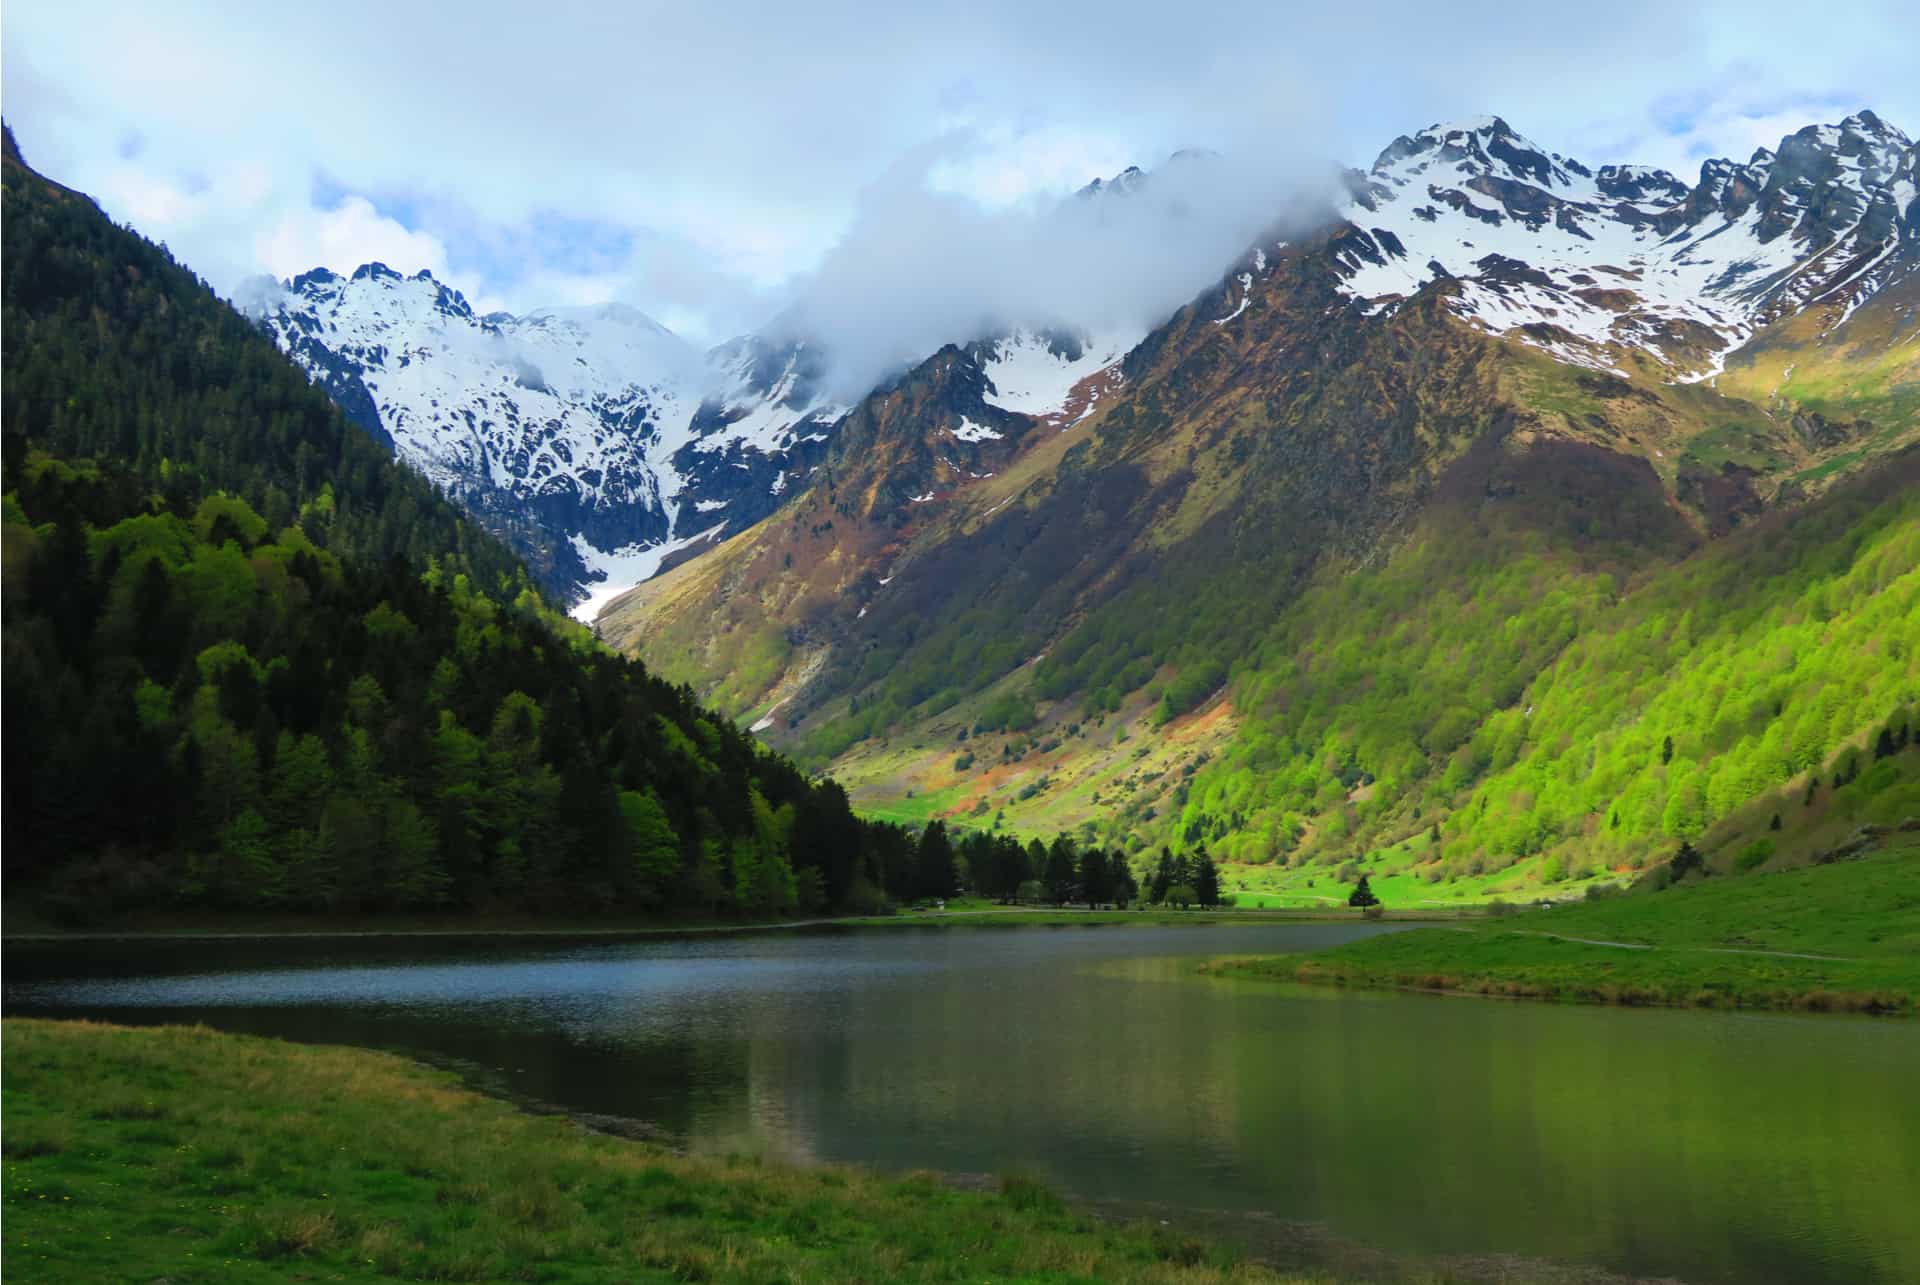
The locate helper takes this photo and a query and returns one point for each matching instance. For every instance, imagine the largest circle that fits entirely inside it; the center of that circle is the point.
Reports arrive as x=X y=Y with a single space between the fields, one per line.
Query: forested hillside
x=1493 y=694
x=252 y=661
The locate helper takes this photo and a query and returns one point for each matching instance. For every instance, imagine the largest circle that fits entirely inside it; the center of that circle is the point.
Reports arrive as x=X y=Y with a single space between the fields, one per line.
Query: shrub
x=865 y=899
x=1029 y=1195
x=1754 y=855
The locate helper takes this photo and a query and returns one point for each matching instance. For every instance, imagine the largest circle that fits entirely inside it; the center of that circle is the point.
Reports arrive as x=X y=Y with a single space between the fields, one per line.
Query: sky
x=717 y=165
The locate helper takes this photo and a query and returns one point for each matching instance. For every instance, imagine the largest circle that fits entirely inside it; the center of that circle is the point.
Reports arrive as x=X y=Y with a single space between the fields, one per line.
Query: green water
x=1702 y=1146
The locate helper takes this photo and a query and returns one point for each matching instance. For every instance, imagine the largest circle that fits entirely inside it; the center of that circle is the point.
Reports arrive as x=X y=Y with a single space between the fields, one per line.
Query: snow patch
x=621 y=569
x=1029 y=377
x=972 y=432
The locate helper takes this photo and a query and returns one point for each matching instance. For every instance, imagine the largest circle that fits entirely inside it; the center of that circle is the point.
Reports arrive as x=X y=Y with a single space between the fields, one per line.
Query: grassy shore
x=187 y=1155
x=1839 y=937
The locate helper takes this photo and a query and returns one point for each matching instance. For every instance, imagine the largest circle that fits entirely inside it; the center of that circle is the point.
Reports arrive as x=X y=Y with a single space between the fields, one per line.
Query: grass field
x=186 y=1155
x=1398 y=887
x=1843 y=936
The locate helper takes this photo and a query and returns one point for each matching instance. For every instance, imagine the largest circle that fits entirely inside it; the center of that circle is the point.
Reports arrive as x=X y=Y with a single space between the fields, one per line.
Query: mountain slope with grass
x=1331 y=573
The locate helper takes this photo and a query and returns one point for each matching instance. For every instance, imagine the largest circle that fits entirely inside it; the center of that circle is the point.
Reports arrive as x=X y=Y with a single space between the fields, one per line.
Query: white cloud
x=733 y=143
x=351 y=233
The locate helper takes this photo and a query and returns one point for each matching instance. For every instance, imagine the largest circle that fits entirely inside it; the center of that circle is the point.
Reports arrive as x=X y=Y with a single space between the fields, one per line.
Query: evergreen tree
x=934 y=862
x=1060 y=871
x=1362 y=895
x=1206 y=879
x=1096 y=877
x=1162 y=878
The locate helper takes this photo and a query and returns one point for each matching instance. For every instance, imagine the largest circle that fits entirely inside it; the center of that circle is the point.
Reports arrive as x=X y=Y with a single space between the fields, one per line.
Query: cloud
x=353 y=232
x=921 y=267
x=712 y=157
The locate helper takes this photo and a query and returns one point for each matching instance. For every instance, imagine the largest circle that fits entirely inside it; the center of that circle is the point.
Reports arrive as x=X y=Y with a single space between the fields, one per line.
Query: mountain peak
x=1865 y=124
x=1476 y=144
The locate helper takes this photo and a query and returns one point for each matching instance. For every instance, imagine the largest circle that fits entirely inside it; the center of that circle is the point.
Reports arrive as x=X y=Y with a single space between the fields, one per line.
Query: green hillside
x=1499 y=697
x=1520 y=698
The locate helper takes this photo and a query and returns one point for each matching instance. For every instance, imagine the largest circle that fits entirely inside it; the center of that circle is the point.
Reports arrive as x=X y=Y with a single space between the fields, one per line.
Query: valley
x=1034 y=731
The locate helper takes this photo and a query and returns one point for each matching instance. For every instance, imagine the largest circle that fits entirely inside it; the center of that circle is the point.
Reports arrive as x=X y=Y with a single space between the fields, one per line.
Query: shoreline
x=1009 y=916
x=1818 y=1000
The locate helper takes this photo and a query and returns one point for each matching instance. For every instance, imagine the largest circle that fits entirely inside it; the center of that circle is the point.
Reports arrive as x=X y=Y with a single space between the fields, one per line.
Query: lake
x=1699 y=1145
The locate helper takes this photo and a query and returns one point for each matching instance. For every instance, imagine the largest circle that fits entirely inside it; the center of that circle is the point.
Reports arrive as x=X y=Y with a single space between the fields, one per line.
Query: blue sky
x=702 y=162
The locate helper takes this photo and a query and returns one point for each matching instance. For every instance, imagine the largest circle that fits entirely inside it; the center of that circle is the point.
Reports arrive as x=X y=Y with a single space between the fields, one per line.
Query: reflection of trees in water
x=1053 y=1068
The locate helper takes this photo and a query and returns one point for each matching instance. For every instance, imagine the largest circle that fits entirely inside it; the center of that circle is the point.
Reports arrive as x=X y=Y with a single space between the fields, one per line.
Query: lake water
x=1703 y=1146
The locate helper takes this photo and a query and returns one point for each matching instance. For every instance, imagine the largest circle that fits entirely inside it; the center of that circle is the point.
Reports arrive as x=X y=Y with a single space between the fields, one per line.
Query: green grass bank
x=1841 y=937
x=188 y=1155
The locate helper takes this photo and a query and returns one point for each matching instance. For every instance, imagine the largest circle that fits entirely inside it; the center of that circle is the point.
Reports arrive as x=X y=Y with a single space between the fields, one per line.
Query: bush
x=1754 y=855
x=1029 y=1195
x=865 y=899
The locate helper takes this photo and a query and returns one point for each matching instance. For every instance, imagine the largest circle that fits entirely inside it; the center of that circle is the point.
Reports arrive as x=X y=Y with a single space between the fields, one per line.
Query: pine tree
x=1362 y=895
x=1059 y=876
x=1096 y=880
x=934 y=862
x=1162 y=878
x=1206 y=879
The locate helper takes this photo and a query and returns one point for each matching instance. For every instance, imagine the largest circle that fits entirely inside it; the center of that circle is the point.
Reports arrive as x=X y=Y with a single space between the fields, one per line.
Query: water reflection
x=1706 y=1146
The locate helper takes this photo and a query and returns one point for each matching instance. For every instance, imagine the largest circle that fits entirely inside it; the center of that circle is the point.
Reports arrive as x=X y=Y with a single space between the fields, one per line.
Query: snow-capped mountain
x=594 y=439
x=1593 y=263
x=601 y=445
